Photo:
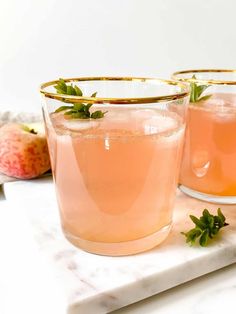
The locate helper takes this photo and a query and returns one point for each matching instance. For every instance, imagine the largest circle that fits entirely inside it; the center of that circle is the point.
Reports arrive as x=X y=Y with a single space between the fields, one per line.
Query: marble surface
x=98 y=284
x=27 y=284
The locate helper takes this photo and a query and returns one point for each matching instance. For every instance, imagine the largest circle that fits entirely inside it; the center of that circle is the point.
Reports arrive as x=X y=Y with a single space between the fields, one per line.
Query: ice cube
x=159 y=124
x=221 y=101
x=80 y=125
x=214 y=102
x=142 y=114
x=222 y=108
x=117 y=115
x=59 y=121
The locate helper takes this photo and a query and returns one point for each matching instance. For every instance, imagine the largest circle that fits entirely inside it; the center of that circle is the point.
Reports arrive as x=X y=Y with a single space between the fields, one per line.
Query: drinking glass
x=208 y=170
x=116 y=176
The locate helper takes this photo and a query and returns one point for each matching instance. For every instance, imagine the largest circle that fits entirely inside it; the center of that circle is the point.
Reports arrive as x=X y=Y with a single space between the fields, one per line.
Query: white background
x=46 y=39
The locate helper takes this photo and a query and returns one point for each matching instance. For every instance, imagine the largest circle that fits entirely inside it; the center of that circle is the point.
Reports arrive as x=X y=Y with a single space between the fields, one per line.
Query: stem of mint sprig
x=77 y=110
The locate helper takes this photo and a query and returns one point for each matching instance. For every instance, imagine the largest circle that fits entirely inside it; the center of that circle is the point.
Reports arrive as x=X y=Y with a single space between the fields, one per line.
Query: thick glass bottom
x=120 y=248
x=217 y=199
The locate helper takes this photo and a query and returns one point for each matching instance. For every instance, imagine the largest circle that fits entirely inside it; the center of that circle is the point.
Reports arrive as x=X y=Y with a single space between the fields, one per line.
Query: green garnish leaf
x=78 y=115
x=67 y=113
x=61 y=87
x=197 y=90
x=86 y=108
x=28 y=129
x=201 y=225
x=62 y=108
x=192 y=235
x=78 y=91
x=221 y=216
x=78 y=107
x=98 y=114
x=70 y=90
x=206 y=227
x=76 y=110
x=204 y=97
x=204 y=238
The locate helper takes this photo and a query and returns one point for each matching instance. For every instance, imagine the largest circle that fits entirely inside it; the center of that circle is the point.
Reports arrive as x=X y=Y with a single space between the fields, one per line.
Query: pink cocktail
x=209 y=160
x=116 y=176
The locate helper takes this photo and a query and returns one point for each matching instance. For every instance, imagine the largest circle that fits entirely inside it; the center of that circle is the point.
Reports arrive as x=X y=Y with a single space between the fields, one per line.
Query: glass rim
x=121 y=100
x=174 y=76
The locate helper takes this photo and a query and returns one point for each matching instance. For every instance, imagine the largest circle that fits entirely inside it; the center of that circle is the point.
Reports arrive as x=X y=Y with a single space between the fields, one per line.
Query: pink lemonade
x=209 y=159
x=116 y=177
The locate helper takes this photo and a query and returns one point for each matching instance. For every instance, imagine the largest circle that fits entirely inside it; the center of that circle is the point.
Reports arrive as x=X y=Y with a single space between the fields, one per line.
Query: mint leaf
x=63 y=108
x=192 y=235
x=78 y=91
x=79 y=107
x=204 y=238
x=198 y=222
x=197 y=90
x=98 y=114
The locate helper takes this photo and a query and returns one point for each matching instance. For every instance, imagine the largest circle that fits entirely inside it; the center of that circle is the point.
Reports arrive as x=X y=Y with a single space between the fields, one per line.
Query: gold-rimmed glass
x=116 y=177
x=208 y=170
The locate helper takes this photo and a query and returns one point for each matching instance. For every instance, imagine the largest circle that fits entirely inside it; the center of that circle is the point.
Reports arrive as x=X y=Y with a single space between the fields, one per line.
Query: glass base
x=226 y=200
x=120 y=248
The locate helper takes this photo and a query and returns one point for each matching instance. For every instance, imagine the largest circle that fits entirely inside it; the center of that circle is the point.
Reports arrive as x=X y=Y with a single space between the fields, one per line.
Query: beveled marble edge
x=136 y=291
x=212 y=293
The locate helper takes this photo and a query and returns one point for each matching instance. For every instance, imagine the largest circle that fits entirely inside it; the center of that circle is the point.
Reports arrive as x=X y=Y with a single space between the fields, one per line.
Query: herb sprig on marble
x=77 y=110
x=197 y=90
x=206 y=227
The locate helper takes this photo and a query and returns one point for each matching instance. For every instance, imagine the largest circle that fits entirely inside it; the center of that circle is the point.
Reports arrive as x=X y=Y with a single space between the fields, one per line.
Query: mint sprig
x=206 y=227
x=197 y=90
x=77 y=110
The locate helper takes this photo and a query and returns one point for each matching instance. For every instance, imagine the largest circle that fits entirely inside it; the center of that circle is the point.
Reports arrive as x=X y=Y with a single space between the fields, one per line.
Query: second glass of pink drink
x=208 y=169
x=116 y=174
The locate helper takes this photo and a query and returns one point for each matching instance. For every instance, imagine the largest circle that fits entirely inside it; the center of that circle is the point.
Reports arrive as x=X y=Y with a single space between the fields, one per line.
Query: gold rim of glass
x=175 y=76
x=140 y=100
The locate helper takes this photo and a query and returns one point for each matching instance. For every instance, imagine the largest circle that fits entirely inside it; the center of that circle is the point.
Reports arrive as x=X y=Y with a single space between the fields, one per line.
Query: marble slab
x=99 y=284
